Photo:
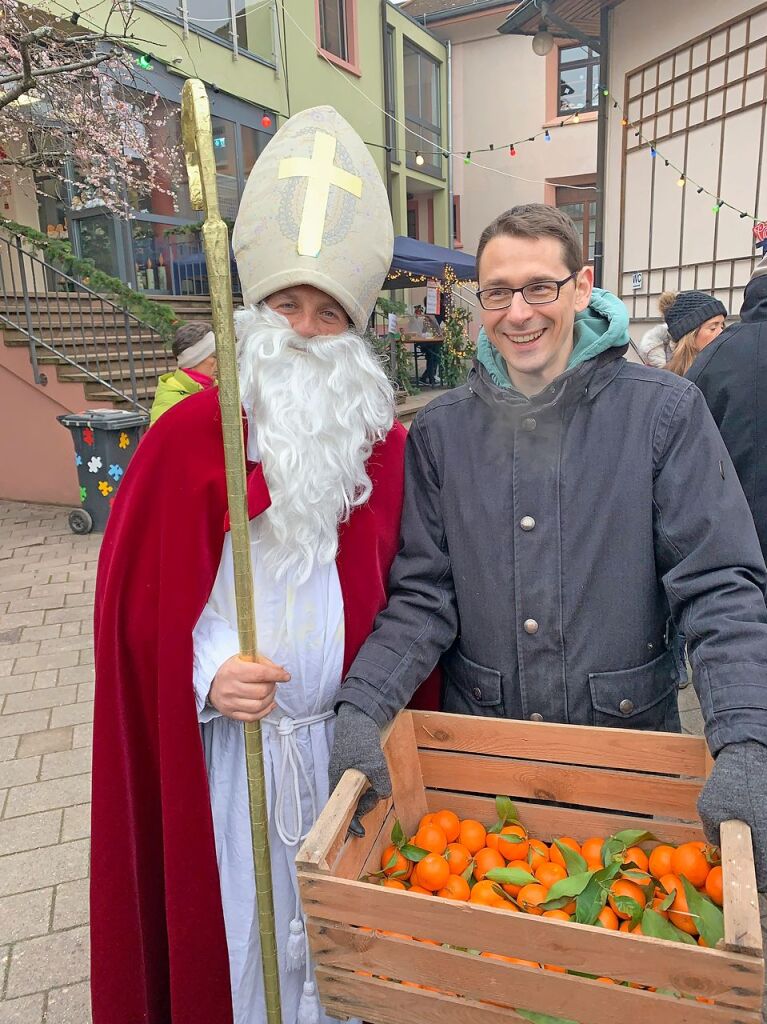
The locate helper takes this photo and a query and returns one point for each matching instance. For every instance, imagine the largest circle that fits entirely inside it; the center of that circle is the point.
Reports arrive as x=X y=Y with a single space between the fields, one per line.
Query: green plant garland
x=155 y=314
x=457 y=347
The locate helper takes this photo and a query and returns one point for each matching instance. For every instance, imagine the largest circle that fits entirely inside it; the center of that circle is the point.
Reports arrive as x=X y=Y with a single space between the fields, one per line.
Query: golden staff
x=201 y=170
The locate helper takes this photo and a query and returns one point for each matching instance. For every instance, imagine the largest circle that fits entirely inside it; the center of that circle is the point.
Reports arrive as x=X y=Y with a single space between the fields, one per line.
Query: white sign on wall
x=636 y=280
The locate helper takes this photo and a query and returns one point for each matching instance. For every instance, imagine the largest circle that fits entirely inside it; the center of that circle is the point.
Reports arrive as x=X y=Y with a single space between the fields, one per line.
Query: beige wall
x=665 y=226
x=499 y=95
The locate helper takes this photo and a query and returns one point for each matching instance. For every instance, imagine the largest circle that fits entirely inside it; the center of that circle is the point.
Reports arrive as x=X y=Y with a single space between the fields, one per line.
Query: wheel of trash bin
x=80 y=521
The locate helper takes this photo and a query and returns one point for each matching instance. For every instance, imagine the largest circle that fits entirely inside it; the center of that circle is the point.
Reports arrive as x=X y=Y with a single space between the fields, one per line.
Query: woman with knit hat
x=657 y=346
x=694 y=320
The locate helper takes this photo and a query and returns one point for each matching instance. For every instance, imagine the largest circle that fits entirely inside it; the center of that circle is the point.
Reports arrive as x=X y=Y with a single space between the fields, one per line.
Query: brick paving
x=46 y=709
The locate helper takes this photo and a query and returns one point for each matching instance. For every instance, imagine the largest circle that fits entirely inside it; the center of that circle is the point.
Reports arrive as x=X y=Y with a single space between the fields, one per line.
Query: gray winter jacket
x=545 y=542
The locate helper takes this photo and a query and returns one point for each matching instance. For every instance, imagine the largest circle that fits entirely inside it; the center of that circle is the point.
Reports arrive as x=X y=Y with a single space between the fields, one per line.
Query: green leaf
x=708 y=917
x=512 y=838
x=632 y=836
x=468 y=872
x=626 y=905
x=590 y=902
x=574 y=863
x=613 y=850
x=505 y=810
x=390 y=862
x=668 y=900
x=572 y=886
x=510 y=876
x=414 y=853
x=657 y=927
x=398 y=837
x=541 y=1018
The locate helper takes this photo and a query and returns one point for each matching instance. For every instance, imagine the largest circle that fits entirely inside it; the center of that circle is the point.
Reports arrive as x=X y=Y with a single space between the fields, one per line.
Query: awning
x=582 y=14
x=415 y=262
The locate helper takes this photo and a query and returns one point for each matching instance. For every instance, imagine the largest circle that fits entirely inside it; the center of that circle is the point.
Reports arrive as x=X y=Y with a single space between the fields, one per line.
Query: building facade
x=261 y=62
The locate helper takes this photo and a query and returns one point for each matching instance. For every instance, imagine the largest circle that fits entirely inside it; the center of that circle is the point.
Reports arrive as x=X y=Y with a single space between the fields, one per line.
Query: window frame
x=566 y=195
x=351 y=62
x=390 y=93
x=433 y=169
x=593 y=60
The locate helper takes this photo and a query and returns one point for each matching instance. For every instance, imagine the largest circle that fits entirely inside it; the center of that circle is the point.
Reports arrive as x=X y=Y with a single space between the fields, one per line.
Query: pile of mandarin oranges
x=627 y=882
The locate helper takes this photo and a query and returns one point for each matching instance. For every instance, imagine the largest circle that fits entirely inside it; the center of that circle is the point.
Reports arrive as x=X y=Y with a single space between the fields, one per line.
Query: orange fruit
x=659 y=861
x=623 y=887
x=678 y=913
x=591 y=851
x=626 y=927
x=420 y=888
x=607 y=981
x=512 y=850
x=449 y=822
x=714 y=885
x=472 y=835
x=401 y=866
x=513 y=890
x=456 y=888
x=608 y=919
x=537 y=853
x=486 y=859
x=530 y=896
x=432 y=872
x=556 y=915
x=484 y=893
x=555 y=856
x=393 y=883
x=427 y=819
x=548 y=874
x=431 y=838
x=636 y=855
x=510 y=959
x=458 y=857
x=491 y=840
x=553 y=967
x=689 y=860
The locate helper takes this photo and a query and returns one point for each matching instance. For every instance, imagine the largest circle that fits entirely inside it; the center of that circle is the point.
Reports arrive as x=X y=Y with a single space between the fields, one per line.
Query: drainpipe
x=602 y=125
x=387 y=86
x=450 y=208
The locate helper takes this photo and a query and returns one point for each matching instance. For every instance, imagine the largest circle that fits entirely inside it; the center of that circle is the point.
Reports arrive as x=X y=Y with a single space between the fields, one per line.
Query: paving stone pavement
x=47 y=578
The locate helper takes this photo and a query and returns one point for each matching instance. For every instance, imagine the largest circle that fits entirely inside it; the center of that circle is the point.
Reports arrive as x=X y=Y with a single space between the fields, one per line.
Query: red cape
x=158 y=945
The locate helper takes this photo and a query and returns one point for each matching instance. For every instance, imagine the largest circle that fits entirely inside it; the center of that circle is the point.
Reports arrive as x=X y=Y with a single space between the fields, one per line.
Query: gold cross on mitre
x=321 y=172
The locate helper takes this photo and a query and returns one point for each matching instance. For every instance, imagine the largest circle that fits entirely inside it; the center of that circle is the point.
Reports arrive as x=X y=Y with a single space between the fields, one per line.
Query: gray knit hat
x=690 y=310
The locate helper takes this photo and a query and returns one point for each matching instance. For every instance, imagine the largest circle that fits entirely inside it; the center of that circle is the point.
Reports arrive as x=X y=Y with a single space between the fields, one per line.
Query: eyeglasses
x=535 y=294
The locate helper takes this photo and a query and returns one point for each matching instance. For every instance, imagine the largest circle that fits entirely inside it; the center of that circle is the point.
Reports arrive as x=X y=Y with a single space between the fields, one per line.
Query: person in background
x=694 y=320
x=195 y=350
x=657 y=346
x=732 y=374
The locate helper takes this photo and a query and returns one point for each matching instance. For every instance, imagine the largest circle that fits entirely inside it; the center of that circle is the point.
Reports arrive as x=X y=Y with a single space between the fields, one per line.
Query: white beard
x=319 y=405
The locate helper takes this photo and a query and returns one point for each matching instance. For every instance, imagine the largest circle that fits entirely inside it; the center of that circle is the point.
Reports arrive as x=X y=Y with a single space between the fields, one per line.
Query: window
x=422 y=110
x=390 y=85
x=333 y=34
x=213 y=18
x=578 y=78
x=457 y=243
x=581 y=206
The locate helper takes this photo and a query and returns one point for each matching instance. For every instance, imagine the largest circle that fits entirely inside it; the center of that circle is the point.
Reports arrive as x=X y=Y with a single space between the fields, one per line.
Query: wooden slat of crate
x=593 y=787
x=669 y=753
x=546 y=821
x=380 y=842
x=727 y=976
x=742 y=925
x=479 y=978
x=354 y=853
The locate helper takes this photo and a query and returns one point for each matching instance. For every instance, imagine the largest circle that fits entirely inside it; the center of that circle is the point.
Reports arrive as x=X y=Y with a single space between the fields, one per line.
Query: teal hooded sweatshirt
x=603 y=324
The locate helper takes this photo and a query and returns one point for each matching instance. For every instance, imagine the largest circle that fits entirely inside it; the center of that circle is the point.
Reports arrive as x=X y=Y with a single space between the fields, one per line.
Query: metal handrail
x=134 y=344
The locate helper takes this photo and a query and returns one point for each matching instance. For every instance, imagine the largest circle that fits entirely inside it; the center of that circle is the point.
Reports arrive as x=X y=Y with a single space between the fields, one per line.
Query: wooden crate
x=620 y=779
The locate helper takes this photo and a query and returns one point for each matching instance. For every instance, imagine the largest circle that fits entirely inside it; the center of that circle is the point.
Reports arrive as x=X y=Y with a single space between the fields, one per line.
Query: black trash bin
x=105 y=440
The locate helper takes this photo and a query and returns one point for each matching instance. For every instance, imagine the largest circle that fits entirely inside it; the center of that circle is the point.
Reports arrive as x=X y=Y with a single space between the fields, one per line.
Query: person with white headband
x=195 y=350
x=174 y=929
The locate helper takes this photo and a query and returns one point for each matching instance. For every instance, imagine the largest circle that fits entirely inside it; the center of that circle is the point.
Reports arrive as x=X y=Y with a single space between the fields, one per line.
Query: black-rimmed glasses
x=534 y=294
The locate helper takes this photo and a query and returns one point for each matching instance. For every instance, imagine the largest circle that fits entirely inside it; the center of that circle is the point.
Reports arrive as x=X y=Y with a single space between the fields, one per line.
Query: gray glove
x=357 y=744
x=737 y=788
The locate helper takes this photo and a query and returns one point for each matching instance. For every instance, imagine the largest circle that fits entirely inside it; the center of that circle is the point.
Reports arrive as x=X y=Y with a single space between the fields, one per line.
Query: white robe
x=302 y=628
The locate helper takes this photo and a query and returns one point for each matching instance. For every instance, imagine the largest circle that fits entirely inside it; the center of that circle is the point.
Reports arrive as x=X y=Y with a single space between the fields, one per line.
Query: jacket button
x=527 y=523
x=626 y=707
x=530 y=626
x=477 y=693
x=536 y=717
x=528 y=423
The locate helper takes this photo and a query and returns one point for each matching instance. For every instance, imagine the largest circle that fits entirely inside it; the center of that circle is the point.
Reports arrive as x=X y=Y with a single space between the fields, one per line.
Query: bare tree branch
x=92 y=62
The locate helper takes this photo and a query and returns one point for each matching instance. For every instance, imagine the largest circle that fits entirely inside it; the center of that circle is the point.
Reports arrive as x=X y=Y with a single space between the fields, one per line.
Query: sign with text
x=636 y=280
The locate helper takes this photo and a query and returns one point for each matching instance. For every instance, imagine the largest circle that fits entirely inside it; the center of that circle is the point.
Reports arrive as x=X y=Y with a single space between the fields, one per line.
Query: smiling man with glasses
x=563 y=511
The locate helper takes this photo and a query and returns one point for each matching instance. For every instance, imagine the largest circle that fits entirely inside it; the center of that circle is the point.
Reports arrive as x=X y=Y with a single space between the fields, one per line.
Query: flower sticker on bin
x=115 y=471
x=83 y=493
x=124 y=440
x=88 y=436
x=78 y=460
x=95 y=464
x=105 y=488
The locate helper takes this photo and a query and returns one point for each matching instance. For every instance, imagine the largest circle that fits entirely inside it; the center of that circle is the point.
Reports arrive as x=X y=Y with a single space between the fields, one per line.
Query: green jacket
x=171 y=388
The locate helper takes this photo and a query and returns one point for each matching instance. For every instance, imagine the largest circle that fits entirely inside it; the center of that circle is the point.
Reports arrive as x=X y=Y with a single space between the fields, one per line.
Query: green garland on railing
x=159 y=316
x=457 y=348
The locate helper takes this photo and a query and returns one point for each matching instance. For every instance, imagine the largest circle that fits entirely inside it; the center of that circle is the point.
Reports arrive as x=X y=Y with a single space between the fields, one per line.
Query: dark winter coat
x=732 y=374
x=545 y=542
